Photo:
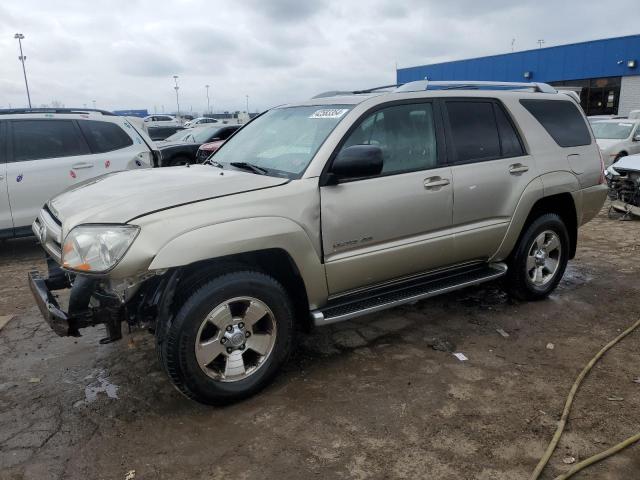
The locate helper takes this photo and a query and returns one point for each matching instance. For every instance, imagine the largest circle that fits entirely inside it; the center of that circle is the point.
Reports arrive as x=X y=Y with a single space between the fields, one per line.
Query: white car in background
x=199 y=122
x=161 y=121
x=46 y=151
x=617 y=138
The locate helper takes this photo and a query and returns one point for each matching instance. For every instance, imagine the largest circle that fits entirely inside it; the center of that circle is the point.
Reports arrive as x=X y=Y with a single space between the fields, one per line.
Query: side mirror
x=356 y=161
x=636 y=137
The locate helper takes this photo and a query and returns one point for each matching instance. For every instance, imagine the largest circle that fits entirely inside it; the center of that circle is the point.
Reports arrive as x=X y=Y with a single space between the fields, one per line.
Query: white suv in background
x=46 y=151
x=199 y=122
x=161 y=121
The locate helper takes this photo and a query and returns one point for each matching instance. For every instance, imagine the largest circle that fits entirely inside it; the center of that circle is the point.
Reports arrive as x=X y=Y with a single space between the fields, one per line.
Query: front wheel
x=229 y=339
x=540 y=259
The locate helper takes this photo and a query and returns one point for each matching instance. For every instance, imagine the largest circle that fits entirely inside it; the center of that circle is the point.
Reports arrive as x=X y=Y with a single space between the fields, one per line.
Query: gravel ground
x=379 y=398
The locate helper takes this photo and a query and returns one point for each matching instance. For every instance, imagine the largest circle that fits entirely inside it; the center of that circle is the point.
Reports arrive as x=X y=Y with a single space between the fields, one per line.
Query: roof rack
x=337 y=93
x=420 y=85
x=14 y=111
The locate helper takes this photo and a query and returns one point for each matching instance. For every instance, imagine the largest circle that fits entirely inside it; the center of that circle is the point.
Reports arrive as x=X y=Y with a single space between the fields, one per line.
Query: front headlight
x=97 y=248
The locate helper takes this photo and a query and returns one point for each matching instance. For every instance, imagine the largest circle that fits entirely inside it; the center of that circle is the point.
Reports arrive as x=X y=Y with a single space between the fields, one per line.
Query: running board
x=382 y=298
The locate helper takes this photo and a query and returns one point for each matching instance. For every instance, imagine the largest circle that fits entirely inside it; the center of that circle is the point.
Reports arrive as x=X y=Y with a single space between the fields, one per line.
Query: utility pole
x=513 y=43
x=22 y=58
x=540 y=43
x=175 y=78
x=208 y=107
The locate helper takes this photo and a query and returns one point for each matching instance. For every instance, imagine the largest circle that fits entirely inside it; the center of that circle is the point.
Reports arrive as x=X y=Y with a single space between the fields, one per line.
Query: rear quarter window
x=561 y=119
x=104 y=136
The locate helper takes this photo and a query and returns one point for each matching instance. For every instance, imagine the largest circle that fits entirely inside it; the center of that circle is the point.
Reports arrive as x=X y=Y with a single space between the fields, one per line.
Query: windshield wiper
x=213 y=163
x=249 y=166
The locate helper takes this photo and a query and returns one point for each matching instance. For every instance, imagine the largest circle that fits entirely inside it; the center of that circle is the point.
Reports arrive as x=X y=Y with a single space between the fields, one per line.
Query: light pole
x=22 y=58
x=208 y=108
x=247 y=104
x=175 y=78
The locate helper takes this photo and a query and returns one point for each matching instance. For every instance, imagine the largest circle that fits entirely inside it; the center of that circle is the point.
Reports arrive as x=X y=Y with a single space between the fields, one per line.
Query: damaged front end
x=623 y=179
x=140 y=302
x=95 y=298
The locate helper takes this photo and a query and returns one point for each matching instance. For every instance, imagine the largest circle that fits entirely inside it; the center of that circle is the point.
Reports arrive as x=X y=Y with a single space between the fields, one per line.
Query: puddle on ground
x=101 y=385
x=574 y=277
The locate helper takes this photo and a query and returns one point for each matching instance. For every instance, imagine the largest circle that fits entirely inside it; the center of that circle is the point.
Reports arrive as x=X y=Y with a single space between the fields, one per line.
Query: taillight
x=602 y=179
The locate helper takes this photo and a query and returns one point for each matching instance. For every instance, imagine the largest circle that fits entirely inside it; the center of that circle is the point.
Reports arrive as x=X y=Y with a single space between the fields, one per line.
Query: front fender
x=249 y=235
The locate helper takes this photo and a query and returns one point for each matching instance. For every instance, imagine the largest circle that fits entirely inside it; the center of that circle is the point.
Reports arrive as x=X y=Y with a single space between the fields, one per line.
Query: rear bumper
x=592 y=200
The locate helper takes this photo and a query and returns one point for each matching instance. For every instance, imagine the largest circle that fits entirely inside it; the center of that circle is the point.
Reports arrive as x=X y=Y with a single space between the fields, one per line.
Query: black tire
x=518 y=283
x=175 y=162
x=177 y=349
x=619 y=156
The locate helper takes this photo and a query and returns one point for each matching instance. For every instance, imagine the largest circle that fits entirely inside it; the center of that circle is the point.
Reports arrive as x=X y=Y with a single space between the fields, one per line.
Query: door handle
x=518 y=168
x=1 y=177
x=78 y=166
x=435 y=182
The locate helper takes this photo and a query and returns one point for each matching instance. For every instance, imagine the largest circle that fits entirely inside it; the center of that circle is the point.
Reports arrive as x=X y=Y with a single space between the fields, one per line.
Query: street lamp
x=175 y=78
x=208 y=108
x=22 y=58
x=247 y=104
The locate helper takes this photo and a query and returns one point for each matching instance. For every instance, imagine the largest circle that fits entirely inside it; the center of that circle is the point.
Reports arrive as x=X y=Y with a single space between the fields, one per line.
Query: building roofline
x=519 y=52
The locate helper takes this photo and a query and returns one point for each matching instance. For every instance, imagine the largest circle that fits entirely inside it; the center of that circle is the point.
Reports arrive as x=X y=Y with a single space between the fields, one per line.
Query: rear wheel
x=540 y=259
x=229 y=338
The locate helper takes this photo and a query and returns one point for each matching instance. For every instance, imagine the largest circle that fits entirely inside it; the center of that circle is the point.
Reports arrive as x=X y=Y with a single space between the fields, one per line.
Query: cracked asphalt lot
x=380 y=398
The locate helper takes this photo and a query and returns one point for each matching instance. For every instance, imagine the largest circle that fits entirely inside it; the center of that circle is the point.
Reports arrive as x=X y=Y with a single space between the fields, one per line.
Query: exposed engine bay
x=623 y=178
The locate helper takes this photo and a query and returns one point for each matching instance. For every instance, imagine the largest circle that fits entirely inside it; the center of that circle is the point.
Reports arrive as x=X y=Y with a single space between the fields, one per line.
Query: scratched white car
x=45 y=151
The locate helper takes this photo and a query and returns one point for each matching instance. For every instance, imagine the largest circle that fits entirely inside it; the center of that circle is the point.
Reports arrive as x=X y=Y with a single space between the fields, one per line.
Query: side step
x=381 y=298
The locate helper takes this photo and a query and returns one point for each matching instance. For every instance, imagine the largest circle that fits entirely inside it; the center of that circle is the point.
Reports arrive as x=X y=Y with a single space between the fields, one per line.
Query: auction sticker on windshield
x=329 y=113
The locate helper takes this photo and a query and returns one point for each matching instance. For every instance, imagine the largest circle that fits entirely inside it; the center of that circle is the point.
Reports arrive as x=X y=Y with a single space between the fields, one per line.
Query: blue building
x=606 y=73
x=131 y=113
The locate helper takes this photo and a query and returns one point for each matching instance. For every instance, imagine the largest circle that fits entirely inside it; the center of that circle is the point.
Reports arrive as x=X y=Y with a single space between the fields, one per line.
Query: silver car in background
x=617 y=138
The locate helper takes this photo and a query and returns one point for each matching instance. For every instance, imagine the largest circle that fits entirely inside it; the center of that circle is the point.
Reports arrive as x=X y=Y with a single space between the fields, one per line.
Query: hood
x=630 y=163
x=122 y=196
x=607 y=143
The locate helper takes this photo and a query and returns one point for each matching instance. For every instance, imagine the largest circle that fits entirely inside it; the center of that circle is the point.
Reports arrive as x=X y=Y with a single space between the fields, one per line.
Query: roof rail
x=14 y=111
x=337 y=93
x=420 y=85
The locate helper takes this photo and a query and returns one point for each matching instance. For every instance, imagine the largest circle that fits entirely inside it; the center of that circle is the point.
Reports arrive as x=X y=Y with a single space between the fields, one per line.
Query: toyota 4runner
x=322 y=211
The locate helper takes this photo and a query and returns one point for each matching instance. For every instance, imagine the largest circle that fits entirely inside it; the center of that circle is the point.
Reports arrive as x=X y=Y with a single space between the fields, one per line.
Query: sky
x=124 y=53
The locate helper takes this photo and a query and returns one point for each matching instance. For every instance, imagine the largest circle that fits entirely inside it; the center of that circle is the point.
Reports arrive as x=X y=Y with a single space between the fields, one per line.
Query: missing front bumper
x=59 y=321
x=110 y=311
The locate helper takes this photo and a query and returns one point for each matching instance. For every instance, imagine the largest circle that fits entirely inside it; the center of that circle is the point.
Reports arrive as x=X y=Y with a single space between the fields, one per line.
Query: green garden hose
x=565 y=415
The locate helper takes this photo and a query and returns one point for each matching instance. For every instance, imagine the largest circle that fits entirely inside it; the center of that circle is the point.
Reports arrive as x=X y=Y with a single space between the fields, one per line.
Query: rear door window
x=104 y=136
x=40 y=139
x=473 y=131
x=561 y=119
